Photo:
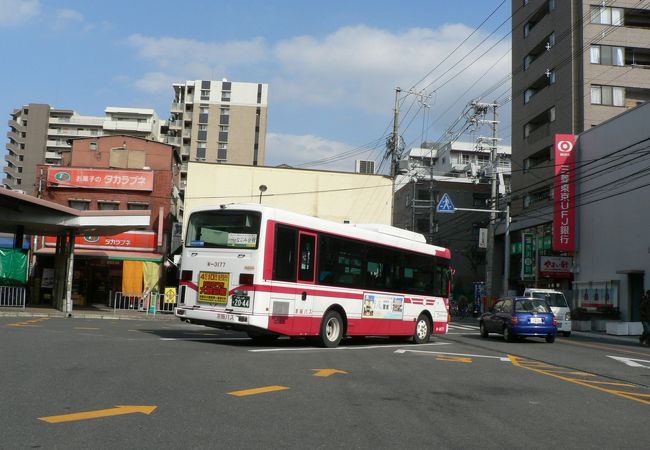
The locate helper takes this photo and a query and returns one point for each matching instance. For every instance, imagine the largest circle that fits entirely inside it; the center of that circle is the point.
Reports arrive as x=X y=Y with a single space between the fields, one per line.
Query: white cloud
x=305 y=150
x=16 y=12
x=66 y=18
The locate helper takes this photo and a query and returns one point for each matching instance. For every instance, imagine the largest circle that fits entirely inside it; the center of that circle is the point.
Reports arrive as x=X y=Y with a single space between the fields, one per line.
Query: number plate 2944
x=240 y=301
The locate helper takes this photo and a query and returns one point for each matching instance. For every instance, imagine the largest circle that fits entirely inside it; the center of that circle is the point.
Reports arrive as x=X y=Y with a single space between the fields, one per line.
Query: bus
x=270 y=272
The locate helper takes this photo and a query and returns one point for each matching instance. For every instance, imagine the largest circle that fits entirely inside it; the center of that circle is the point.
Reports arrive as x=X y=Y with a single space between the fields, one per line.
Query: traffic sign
x=445 y=205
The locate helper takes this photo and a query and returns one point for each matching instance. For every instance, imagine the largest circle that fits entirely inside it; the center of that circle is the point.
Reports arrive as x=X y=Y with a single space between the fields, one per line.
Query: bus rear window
x=223 y=229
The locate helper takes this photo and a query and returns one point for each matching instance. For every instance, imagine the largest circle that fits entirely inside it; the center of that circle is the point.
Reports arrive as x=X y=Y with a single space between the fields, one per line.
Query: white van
x=558 y=305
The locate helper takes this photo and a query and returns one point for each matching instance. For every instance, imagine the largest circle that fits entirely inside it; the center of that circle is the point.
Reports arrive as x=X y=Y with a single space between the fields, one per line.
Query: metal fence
x=147 y=302
x=13 y=296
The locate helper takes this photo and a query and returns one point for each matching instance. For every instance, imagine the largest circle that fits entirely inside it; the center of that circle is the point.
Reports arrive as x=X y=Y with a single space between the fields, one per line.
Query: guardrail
x=147 y=302
x=13 y=296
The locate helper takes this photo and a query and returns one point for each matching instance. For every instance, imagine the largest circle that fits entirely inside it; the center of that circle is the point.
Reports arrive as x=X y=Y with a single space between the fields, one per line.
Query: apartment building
x=462 y=170
x=575 y=64
x=38 y=133
x=218 y=122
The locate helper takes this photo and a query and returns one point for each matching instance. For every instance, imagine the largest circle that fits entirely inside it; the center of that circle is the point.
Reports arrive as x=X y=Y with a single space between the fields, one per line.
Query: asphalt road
x=61 y=381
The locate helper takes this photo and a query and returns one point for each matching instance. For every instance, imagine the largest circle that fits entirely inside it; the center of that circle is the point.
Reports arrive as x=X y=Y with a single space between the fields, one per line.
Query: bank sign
x=74 y=177
x=564 y=193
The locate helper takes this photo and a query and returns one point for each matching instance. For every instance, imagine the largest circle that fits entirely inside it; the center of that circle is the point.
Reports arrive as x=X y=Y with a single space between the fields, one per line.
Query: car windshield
x=532 y=305
x=553 y=298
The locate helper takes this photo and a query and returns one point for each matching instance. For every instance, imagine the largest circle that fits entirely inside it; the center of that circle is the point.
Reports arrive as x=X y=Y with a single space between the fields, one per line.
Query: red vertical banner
x=564 y=193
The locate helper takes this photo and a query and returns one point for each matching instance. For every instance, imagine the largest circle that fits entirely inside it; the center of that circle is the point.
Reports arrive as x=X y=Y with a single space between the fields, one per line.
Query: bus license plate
x=240 y=301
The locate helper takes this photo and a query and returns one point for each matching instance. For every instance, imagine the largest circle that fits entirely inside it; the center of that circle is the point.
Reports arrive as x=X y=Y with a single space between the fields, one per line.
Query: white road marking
x=501 y=358
x=463 y=327
x=360 y=347
x=632 y=362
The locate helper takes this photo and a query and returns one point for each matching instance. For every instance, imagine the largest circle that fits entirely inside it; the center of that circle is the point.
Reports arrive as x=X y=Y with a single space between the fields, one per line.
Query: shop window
x=137 y=206
x=108 y=205
x=81 y=205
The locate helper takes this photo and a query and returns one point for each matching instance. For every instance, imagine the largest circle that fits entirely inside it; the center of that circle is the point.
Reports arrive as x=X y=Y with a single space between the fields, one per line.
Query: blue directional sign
x=445 y=205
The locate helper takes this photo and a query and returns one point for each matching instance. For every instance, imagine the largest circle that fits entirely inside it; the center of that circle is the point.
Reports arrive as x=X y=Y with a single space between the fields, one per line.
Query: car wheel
x=331 y=330
x=484 y=331
x=550 y=338
x=507 y=334
x=566 y=333
x=422 y=330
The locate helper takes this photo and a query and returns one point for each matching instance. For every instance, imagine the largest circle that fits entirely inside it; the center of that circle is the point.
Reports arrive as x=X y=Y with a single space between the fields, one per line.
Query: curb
x=83 y=315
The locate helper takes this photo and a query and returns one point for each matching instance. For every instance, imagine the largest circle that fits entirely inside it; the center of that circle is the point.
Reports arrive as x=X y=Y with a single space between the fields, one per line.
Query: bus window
x=307 y=252
x=223 y=229
x=339 y=261
x=284 y=263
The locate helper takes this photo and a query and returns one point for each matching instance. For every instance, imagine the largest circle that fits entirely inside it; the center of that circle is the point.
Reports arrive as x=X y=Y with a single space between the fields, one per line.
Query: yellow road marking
x=85 y=328
x=28 y=323
x=327 y=372
x=260 y=390
x=462 y=359
x=117 y=411
x=637 y=397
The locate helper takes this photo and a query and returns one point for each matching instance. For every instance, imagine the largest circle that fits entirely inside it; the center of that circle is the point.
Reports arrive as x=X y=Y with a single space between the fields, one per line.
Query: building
x=336 y=196
x=575 y=64
x=462 y=171
x=110 y=173
x=612 y=267
x=218 y=122
x=38 y=133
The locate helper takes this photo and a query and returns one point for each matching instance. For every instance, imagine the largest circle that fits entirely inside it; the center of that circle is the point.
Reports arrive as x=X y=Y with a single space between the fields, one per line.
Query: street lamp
x=262 y=189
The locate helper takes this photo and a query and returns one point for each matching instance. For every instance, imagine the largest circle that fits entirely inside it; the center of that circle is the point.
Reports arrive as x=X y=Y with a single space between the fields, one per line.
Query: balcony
x=13 y=135
x=84 y=121
x=185 y=151
x=175 y=124
x=11 y=159
x=173 y=140
x=177 y=107
x=184 y=168
x=53 y=155
x=128 y=125
x=187 y=134
x=57 y=144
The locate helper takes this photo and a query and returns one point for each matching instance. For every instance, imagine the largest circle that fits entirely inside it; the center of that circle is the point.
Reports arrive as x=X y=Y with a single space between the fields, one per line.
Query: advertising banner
x=213 y=287
x=140 y=241
x=383 y=306
x=527 y=256
x=73 y=177
x=555 y=266
x=564 y=192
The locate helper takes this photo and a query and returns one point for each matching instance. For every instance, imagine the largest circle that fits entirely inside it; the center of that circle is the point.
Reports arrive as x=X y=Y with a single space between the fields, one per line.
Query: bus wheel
x=422 y=330
x=331 y=329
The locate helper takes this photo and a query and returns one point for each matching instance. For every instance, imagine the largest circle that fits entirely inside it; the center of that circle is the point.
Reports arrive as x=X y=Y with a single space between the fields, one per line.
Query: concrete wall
x=612 y=216
x=336 y=196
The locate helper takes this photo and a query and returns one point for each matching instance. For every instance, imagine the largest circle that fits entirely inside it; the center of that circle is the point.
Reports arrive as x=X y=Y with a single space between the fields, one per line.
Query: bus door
x=306 y=278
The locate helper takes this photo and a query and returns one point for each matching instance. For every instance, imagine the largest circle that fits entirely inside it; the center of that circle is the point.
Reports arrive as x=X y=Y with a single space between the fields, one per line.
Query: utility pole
x=480 y=110
x=395 y=148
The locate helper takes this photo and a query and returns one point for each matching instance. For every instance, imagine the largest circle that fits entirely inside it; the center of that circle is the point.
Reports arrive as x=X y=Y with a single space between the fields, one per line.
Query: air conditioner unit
x=361 y=166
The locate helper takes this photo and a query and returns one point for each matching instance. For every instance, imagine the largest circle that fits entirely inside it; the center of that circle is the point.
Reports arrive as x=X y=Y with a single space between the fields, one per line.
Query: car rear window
x=532 y=305
x=553 y=299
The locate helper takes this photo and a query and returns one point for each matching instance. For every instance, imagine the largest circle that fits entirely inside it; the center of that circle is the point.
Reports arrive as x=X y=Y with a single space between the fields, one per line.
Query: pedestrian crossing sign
x=445 y=205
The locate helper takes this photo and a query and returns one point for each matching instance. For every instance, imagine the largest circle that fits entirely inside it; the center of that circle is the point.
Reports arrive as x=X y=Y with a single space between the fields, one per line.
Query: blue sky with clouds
x=332 y=67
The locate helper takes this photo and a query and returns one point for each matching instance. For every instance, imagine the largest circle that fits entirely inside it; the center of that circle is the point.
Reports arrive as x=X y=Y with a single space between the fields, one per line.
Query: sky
x=332 y=67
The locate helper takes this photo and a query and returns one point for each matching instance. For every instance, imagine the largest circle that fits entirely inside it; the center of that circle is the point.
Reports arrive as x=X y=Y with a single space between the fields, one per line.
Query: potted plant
x=580 y=320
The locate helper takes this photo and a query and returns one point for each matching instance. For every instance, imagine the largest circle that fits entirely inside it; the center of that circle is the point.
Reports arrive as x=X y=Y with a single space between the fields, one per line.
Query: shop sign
x=555 y=266
x=564 y=193
x=527 y=256
x=139 y=241
x=74 y=177
x=515 y=248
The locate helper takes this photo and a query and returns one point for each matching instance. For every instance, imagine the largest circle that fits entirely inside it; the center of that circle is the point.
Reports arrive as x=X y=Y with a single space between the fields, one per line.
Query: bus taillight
x=245 y=278
x=186 y=275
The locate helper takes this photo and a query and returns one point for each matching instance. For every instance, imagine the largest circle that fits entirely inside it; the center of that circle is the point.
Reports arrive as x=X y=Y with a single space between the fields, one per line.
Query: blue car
x=518 y=317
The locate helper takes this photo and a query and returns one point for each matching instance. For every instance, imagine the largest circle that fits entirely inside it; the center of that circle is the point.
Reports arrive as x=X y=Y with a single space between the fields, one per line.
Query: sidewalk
x=85 y=312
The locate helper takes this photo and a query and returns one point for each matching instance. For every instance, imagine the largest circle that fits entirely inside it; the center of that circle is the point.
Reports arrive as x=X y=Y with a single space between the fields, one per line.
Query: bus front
x=219 y=266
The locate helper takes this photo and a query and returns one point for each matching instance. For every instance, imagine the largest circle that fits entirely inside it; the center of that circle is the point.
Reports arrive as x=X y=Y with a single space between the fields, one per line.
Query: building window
x=222 y=154
x=224 y=111
x=108 y=205
x=606 y=15
x=223 y=128
x=81 y=205
x=607 y=95
x=92 y=146
x=137 y=206
x=204 y=109
x=607 y=55
x=225 y=96
x=205 y=94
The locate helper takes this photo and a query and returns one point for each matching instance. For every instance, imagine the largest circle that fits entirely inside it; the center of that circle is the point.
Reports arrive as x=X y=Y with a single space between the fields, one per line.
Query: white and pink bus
x=270 y=272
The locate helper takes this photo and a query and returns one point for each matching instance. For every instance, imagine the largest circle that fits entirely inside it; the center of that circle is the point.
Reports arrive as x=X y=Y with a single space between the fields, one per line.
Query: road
x=64 y=382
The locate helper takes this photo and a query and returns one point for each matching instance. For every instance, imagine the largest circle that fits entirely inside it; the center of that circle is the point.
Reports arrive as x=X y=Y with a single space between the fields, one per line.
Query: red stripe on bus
x=189 y=284
x=310 y=326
